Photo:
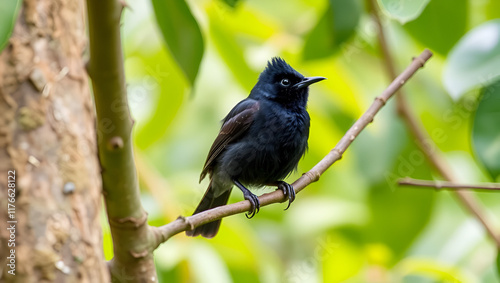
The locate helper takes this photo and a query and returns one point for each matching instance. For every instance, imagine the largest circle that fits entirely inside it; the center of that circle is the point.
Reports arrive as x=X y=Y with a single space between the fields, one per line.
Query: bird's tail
x=209 y=201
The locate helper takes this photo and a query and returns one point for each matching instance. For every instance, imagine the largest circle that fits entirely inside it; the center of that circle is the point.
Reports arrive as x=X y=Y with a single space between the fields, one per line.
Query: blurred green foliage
x=335 y=27
x=403 y=10
x=439 y=27
x=486 y=133
x=355 y=224
x=474 y=60
x=9 y=11
x=186 y=43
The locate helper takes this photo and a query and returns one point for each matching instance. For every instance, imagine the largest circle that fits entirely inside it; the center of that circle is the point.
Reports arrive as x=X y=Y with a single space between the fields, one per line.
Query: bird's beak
x=308 y=81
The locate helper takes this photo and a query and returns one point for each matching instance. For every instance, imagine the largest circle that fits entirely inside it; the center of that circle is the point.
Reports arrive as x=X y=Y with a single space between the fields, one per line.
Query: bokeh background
x=354 y=225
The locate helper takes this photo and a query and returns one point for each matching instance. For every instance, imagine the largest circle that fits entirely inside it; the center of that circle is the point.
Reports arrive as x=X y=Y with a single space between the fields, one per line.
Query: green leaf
x=486 y=132
x=231 y=3
x=403 y=10
x=216 y=271
x=9 y=10
x=474 y=60
x=492 y=9
x=231 y=51
x=498 y=263
x=405 y=208
x=181 y=33
x=159 y=74
x=441 y=24
x=335 y=27
x=430 y=269
x=389 y=148
x=318 y=214
x=346 y=256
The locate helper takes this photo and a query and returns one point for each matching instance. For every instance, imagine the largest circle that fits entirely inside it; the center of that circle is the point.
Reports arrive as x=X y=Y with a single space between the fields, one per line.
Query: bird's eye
x=285 y=82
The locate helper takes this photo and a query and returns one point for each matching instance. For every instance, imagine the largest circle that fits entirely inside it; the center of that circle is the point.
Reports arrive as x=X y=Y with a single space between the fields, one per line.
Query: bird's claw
x=255 y=204
x=253 y=199
x=287 y=191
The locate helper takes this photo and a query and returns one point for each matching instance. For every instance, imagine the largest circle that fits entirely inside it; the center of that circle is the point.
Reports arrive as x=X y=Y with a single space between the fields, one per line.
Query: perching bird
x=260 y=142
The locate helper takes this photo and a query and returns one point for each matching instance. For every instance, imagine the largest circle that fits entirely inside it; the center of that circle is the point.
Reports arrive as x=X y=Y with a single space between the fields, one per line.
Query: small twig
x=423 y=139
x=448 y=185
x=185 y=223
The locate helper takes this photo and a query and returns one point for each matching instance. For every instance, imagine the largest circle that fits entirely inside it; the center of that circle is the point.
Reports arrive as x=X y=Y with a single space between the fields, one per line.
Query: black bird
x=260 y=142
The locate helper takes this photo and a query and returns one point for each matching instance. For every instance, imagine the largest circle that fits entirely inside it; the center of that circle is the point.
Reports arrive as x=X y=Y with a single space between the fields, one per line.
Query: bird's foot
x=255 y=204
x=253 y=199
x=287 y=191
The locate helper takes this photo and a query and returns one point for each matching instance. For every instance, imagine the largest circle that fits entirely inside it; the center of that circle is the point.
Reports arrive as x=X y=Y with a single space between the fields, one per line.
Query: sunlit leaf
x=156 y=84
x=107 y=241
x=231 y=3
x=432 y=269
x=403 y=10
x=236 y=244
x=231 y=52
x=248 y=23
x=441 y=24
x=492 y=9
x=9 y=10
x=336 y=26
x=162 y=76
x=498 y=263
x=206 y=265
x=170 y=274
x=341 y=258
x=380 y=135
x=486 y=132
x=474 y=60
x=181 y=33
x=398 y=214
x=313 y=215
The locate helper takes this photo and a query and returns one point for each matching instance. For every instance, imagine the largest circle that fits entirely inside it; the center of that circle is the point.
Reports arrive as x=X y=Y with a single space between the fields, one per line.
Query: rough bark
x=47 y=136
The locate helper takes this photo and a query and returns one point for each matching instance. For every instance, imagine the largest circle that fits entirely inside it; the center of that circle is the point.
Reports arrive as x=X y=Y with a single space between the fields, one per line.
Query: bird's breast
x=282 y=128
x=282 y=140
x=271 y=149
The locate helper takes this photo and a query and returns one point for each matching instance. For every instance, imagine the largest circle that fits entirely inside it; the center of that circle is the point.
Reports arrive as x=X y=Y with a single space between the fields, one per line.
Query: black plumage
x=260 y=142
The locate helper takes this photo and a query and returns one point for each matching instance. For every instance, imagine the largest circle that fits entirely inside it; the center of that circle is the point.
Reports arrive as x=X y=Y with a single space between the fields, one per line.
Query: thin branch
x=423 y=139
x=133 y=257
x=186 y=223
x=448 y=185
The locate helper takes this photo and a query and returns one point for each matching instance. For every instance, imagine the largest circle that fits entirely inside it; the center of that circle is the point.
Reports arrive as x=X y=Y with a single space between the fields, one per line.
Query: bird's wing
x=234 y=124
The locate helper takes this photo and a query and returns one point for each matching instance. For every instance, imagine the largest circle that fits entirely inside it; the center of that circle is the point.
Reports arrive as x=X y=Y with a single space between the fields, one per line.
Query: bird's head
x=280 y=82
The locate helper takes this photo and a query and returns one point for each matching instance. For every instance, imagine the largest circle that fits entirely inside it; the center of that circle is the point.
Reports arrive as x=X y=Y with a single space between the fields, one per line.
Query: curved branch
x=186 y=223
x=448 y=185
x=423 y=139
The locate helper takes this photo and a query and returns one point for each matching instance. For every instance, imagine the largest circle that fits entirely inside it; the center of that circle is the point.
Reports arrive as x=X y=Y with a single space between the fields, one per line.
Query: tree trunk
x=48 y=146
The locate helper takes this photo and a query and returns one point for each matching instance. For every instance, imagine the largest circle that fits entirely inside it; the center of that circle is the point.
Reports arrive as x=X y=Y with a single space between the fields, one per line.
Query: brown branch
x=133 y=257
x=187 y=223
x=448 y=185
x=423 y=139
